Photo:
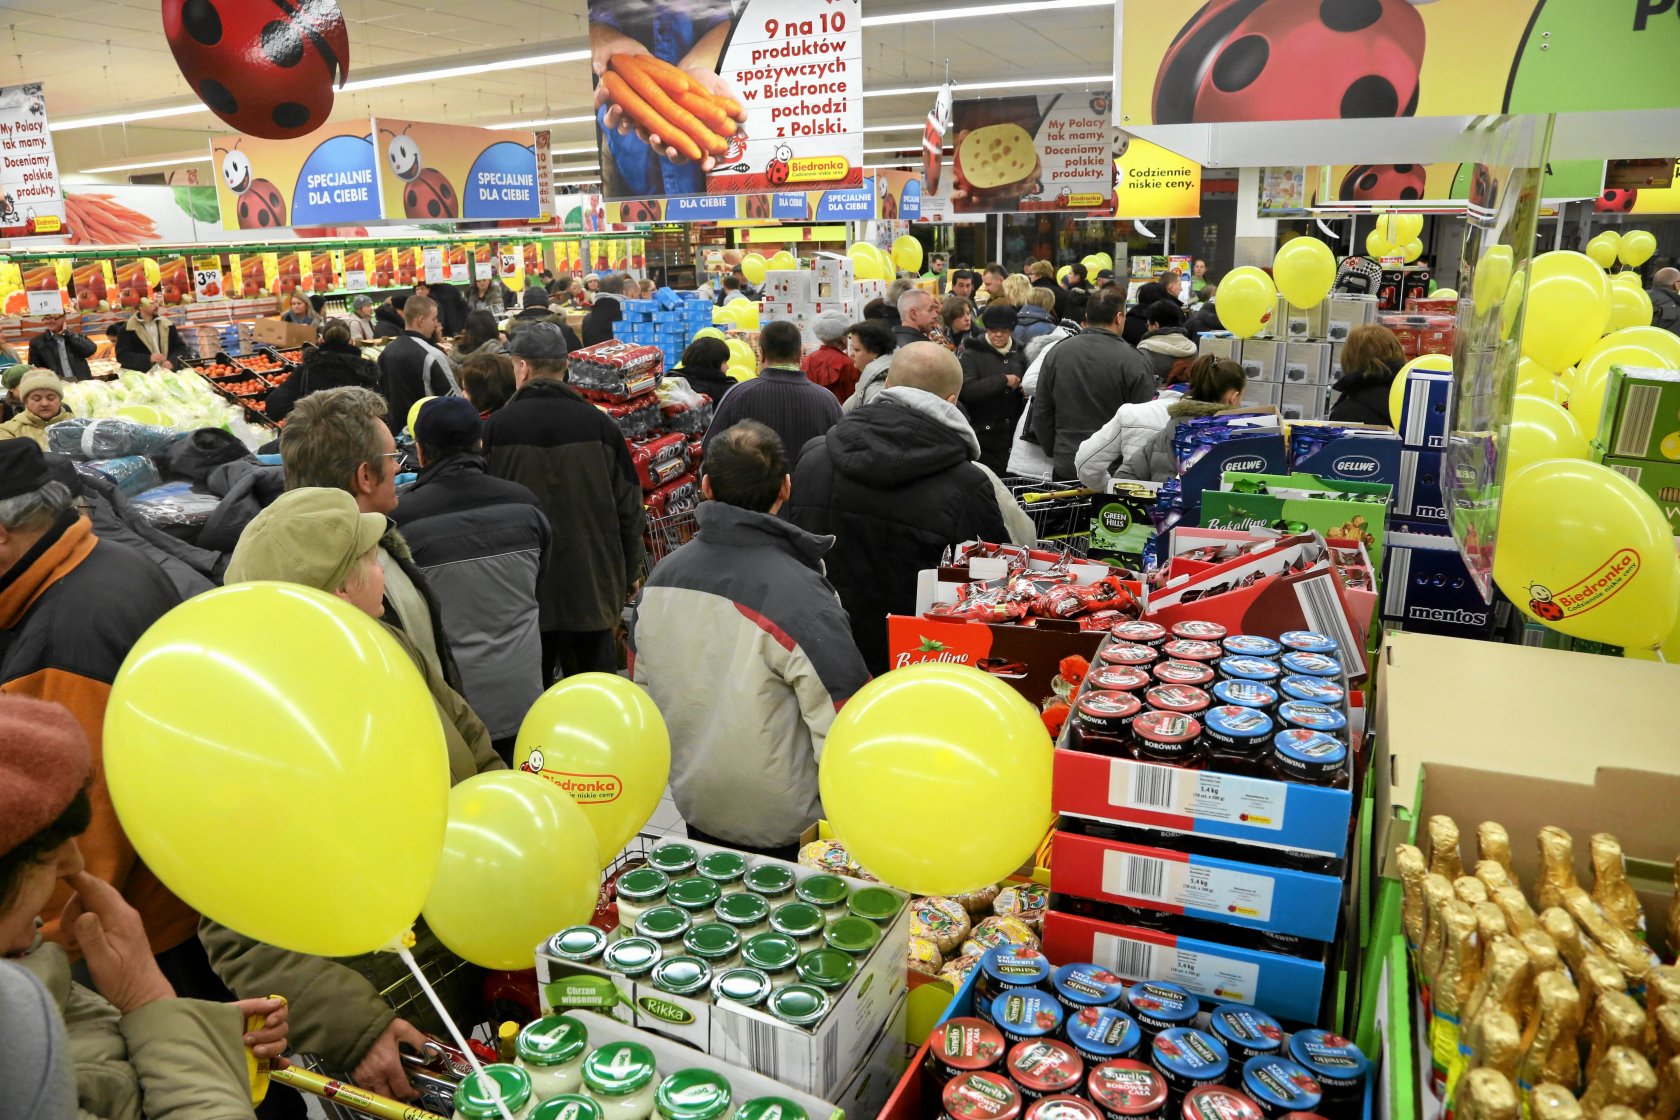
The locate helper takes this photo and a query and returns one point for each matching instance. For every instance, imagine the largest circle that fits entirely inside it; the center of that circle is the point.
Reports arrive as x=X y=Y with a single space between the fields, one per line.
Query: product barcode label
x=1197 y=794
x=1152 y=787
x=1141 y=877
x=1222 y=978
x=1631 y=473
x=1130 y=960
x=1397 y=581
x=1188 y=886
x=1638 y=420
x=1321 y=607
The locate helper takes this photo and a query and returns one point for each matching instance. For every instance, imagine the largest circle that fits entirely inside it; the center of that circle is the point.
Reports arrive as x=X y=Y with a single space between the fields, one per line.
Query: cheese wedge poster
x=1032 y=153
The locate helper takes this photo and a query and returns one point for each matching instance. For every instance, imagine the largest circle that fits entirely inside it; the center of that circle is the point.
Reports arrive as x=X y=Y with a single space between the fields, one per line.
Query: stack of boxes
x=1639 y=435
x=622 y=379
x=1291 y=365
x=668 y=330
x=798 y=296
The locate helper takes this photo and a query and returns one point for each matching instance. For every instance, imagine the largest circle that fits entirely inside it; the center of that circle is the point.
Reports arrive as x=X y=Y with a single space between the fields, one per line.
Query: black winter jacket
x=598 y=324
x=544 y=315
x=324 y=367
x=135 y=354
x=894 y=486
x=1083 y=382
x=78 y=347
x=1056 y=290
x=574 y=459
x=1665 y=312
x=712 y=382
x=388 y=321
x=904 y=335
x=992 y=406
x=410 y=367
x=1364 y=397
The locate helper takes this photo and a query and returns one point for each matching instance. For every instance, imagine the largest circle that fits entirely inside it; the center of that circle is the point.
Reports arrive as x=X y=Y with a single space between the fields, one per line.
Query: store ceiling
x=107 y=57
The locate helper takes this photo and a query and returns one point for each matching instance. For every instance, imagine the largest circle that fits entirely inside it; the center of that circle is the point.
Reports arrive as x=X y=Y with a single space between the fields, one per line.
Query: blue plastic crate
x=638 y=305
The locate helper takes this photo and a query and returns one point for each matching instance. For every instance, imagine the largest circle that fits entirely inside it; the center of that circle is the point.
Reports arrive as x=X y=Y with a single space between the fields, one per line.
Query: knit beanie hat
x=831 y=326
x=44 y=763
x=39 y=379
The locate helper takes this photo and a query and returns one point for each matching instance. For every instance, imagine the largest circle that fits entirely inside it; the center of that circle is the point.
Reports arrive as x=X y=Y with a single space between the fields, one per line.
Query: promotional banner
x=731 y=98
x=1032 y=153
x=1396 y=184
x=545 y=174
x=1186 y=62
x=1151 y=182
x=30 y=199
x=1283 y=191
x=444 y=172
x=933 y=138
x=329 y=177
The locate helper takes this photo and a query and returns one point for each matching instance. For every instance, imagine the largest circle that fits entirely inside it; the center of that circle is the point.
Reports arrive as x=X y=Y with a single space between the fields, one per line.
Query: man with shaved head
x=1665 y=299
x=918 y=314
x=894 y=483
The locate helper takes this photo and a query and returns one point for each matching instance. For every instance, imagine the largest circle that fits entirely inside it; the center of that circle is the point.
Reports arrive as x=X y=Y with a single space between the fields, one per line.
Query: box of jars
x=1198 y=730
x=755 y=961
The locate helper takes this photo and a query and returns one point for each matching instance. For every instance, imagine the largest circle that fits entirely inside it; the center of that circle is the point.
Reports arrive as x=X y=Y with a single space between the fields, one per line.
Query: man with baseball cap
x=319 y=537
x=62 y=348
x=482 y=542
x=360 y=322
x=574 y=459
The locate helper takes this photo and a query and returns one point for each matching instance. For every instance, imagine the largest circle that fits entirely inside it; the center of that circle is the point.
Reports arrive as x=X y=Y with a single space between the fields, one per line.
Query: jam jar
x=1237 y=737
x=1310 y=757
x=1194 y=673
x=1170 y=739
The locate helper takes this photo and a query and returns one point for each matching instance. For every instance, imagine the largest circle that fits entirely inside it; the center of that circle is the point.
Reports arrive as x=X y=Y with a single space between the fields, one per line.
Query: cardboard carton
x=1311 y=323
x=278 y=332
x=1262 y=394
x=1262 y=359
x=1303 y=402
x=1641 y=417
x=1428 y=589
x=1306 y=363
x=1221 y=346
x=1659 y=479
x=1346 y=312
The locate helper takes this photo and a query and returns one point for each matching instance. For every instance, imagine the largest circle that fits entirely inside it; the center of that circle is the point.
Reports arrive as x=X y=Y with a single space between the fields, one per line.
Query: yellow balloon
x=708 y=332
x=783 y=261
x=1541 y=430
x=1303 y=270
x=1586 y=552
x=600 y=738
x=859 y=249
x=1568 y=305
x=1397 y=388
x=1513 y=304
x=1629 y=307
x=414 y=412
x=1411 y=228
x=519 y=863
x=1092 y=266
x=1631 y=346
x=1445 y=293
x=1628 y=277
x=753 y=268
x=746 y=314
x=1376 y=245
x=725 y=315
x=741 y=354
x=1103 y=261
x=1602 y=249
x=275 y=710
x=1636 y=247
x=1535 y=380
x=1668 y=651
x=1246 y=300
x=1390 y=228
x=907 y=253
x=1493 y=277
x=910 y=756
x=741 y=373
x=1411 y=251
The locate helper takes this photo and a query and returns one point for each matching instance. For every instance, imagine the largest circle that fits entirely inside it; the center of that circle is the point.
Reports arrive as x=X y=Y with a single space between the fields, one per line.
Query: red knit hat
x=44 y=763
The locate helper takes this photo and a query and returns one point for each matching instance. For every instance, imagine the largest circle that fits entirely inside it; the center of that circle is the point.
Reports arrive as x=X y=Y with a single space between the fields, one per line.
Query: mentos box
x=1426 y=415
x=1428 y=588
x=1420 y=494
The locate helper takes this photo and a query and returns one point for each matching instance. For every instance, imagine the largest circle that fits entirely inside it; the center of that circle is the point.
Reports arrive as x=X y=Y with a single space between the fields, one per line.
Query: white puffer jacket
x=1130 y=430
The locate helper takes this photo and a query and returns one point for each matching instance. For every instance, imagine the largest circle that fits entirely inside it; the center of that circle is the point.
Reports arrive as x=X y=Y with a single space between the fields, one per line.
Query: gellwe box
x=1262 y=359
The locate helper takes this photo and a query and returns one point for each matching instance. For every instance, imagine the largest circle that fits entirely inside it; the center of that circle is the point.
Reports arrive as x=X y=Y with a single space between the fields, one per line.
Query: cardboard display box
x=1303 y=402
x=281 y=333
x=1658 y=479
x=1346 y=312
x=1641 y=415
x=1428 y=589
x=1262 y=359
x=1221 y=346
x=1262 y=394
x=1314 y=322
x=1426 y=415
x=1306 y=363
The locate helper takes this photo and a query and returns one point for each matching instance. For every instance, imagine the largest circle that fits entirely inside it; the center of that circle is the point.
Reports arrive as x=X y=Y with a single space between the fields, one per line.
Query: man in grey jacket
x=1085 y=380
x=743 y=644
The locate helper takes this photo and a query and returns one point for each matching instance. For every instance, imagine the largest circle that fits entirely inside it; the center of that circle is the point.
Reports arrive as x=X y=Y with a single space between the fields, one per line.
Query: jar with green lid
x=747 y=913
x=799 y=1005
x=826 y=892
x=551 y=1052
x=675 y=860
x=665 y=926
x=801 y=921
x=481 y=1096
x=853 y=935
x=694 y=895
x=772 y=880
x=774 y=954
x=568 y=1106
x=770 y=1108
x=878 y=904
x=715 y=943
x=583 y=944
x=749 y=986
x=829 y=969
x=619 y=1078
x=693 y=1094
x=633 y=956
x=726 y=869
x=638 y=890
x=682 y=976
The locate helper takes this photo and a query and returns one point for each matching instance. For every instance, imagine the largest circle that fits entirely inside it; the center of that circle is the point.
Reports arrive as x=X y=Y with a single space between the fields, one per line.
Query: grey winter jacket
x=1084 y=381
x=1155 y=462
x=869 y=384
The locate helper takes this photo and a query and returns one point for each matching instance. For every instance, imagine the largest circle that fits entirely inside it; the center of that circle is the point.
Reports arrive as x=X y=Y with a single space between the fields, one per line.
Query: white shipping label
x=1205 y=974
x=1190 y=886
x=1197 y=794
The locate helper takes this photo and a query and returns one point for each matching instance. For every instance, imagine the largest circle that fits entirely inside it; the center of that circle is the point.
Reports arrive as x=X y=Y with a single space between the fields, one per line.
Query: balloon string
x=454 y=1031
x=1660 y=656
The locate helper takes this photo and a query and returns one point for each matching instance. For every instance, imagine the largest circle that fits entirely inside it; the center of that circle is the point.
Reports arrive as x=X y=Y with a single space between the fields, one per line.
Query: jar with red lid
x=981 y=1095
x=1199 y=630
x=1193 y=673
x=1126 y=653
x=1127 y=1090
x=1062 y=1107
x=1118 y=678
x=1139 y=632
x=1042 y=1067
x=1169 y=738
x=1189 y=649
x=1218 y=1102
x=964 y=1045
x=1102 y=722
x=1180 y=699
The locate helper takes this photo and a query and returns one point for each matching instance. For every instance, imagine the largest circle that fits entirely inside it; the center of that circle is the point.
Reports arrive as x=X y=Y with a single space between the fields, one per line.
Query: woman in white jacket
x=1130 y=444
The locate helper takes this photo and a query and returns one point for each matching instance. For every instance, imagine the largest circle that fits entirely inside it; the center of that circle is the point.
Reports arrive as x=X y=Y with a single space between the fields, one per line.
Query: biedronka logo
x=585 y=789
x=1597 y=589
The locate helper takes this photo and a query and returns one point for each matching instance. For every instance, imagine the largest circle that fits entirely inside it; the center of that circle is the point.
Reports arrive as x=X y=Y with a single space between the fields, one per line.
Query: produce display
x=177 y=399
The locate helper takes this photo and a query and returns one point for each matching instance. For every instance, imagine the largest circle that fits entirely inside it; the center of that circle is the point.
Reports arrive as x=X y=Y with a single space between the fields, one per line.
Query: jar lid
x=673 y=859
x=1187 y=649
x=712 y=941
x=1308 y=754
x=1253 y=645
x=878 y=904
x=1328 y=1057
x=1322 y=689
x=800 y=1005
x=1218 y=1102
x=1044 y=1065
x=693 y=1094
x=1183 y=672
x=1158 y=1002
x=799 y=920
x=724 y=867
x=966 y=1043
x=642 y=884
x=769 y=878
x=1312 y=715
x=1245 y=1028
x=981 y=1095
x=480 y=1094
x=1198 y=629
x=567 y=1106
x=1247 y=694
x=1243 y=666
x=770 y=1108
x=1125 y=653
x=1107 y=707
x=852 y=934
x=552 y=1040
x=742 y=908
x=1117 y=678
x=1308 y=641
x=682 y=976
x=578 y=943
x=1103 y=1032
x=693 y=894
x=1141 y=632
x=1026 y=1012
x=773 y=952
x=1062 y=1107
x=1166 y=727
x=1311 y=664
x=827 y=968
x=823 y=890
x=743 y=985
x=1189 y=1054
x=663 y=923
x=1184 y=698
x=1126 y=1088
x=618 y=1068
x=1087 y=985
x=1235 y=722
x=1017 y=966
x=632 y=955
x=1280 y=1085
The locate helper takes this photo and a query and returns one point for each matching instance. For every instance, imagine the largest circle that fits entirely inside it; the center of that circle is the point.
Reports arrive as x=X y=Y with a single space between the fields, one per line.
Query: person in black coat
x=537 y=310
x=1044 y=276
x=1206 y=317
x=62 y=350
x=992 y=368
x=1137 y=316
x=335 y=363
x=452 y=308
x=703 y=366
x=387 y=317
x=147 y=339
x=1371 y=358
x=607 y=310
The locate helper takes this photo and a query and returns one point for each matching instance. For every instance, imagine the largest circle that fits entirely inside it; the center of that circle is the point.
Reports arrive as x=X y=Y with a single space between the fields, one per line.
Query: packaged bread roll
x=1557 y=866
x=1553 y=1102
x=1413 y=868
x=924 y=956
x=979 y=903
x=942 y=921
x=1610 y=886
x=1623 y=1077
x=1443 y=847
x=1493 y=845
x=1550 y=1052
x=995 y=931
x=1486 y=1094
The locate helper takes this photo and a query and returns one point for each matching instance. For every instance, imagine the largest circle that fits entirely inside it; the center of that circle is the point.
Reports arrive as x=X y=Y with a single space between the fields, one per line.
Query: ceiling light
x=140 y=166
x=572 y=151
x=577 y=168
x=443 y=73
x=543 y=122
x=918 y=125
x=125 y=118
x=580 y=183
x=930 y=14
x=1022 y=83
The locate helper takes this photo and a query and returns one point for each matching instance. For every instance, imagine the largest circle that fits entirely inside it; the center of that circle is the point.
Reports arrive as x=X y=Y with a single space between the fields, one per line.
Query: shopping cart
x=1061 y=512
x=665 y=534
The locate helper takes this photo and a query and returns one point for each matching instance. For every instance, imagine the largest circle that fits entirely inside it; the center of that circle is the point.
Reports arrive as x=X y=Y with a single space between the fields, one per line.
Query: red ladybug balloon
x=261 y=206
x=1279 y=60
x=1615 y=201
x=1383 y=182
x=429 y=195
x=266 y=67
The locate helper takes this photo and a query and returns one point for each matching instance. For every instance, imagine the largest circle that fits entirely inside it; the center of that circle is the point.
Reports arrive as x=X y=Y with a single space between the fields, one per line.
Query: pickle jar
x=771 y=880
x=746 y=912
x=664 y=926
x=682 y=976
x=876 y=904
x=726 y=869
x=582 y=944
x=715 y=943
x=693 y=1094
x=632 y=957
x=620 y=1078
x=639 y=890
x=675 y=860
x=801 y=921
x=828 y=893
x=695 y=896
x=747 y=986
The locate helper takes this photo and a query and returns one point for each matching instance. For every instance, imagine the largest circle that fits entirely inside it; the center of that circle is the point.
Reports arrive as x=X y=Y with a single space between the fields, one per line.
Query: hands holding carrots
x=687 y=111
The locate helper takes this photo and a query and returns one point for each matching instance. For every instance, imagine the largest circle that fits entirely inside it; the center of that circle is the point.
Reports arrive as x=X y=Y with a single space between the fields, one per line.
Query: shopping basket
x=665 y=534
x=1061 y=512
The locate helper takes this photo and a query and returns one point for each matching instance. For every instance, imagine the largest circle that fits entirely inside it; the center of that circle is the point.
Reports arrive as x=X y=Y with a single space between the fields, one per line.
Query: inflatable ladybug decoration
x=427 y=193
x=1616 y=201
x=1383 y=182
x=1281 y=60
x=259 y=205
x=266 y=67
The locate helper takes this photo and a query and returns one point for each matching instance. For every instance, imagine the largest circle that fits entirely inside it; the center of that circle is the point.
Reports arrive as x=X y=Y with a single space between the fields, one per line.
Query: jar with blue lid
x=1025 y=1014
x=1280 y=1086
x=1311 y=664
x=1188 y=1059
x=1320 y=690
x=1246 y=667
x=1009 y=968
x=1246 y=694
x=1312 y=716
x=1158 y=1005
x=1312 y=757
x=1308 y=641
x=1236 y=737
x=1247 y=1032
x=1079 y=986
x=1251 y=645
x=1103 y=1034
x=1339 y=1067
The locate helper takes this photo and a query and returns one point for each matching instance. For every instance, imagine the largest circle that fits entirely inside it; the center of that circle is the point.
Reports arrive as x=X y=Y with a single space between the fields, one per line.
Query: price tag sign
x=509 y=263
x=357 y=280
x=48 y=302
x=207 y=284
x=433 y=258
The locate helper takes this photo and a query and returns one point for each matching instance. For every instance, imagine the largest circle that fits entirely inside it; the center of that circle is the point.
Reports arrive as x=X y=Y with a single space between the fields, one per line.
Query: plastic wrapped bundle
x=175 y=505
x=65 y=437
x=130 y=474
x=622 y=369
x=681 y=409
x=116 y=439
